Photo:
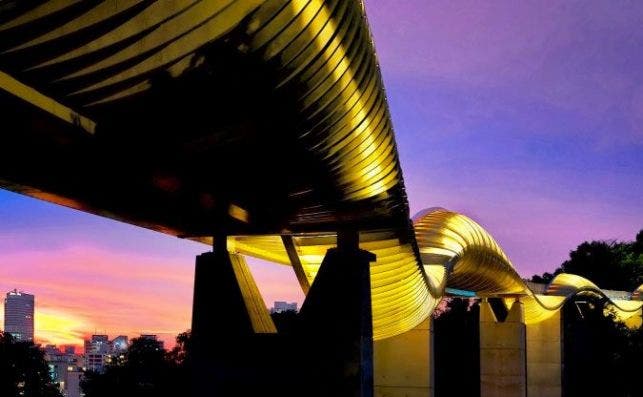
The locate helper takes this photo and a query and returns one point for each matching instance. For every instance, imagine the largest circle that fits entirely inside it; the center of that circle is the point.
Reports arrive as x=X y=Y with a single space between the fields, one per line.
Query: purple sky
x=526 y=116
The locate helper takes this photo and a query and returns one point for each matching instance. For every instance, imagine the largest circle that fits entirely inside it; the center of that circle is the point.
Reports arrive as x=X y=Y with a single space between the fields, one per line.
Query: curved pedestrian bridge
x=257 y=125
x=266 y=120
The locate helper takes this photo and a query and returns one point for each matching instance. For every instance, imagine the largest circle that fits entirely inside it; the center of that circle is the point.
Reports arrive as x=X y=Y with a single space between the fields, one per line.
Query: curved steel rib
x=475 y=262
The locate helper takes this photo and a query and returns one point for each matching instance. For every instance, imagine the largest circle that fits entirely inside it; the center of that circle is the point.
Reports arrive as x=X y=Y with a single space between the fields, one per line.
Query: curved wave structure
x=475 y=262
x=318 y=57
x=319 y=54
x=455 y=252
x=84 y=62
x=399 y=293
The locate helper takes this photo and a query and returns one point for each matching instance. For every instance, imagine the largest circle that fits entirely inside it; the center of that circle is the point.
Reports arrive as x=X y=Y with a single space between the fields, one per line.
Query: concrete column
x=227 y=312
x=544 y=358
x=403 y=364
x=502 y=353
x=336 y=323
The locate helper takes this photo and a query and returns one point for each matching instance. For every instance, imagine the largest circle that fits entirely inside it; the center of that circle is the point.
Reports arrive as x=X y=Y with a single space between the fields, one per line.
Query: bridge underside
x=265 y=121
x=194 y=117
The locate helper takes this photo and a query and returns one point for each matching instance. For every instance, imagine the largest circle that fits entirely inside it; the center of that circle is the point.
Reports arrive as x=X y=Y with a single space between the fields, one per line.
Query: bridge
x=261 y=128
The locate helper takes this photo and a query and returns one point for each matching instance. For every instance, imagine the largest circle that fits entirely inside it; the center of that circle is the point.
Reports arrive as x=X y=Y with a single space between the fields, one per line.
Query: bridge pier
x=503 y=371
x=336 y=322
x=517 y=359
x=404 y=363
x=545 y=357
x=227 y=312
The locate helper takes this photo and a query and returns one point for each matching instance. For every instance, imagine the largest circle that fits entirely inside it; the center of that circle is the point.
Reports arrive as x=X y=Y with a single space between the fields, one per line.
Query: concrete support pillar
x=227 y=312
x=403 y=364
x=336 y=322
x=544 y=358
x=502 y=353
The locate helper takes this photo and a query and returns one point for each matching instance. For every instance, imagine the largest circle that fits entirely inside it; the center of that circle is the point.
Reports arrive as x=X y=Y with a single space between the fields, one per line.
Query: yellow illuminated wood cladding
x=474 y=261
x=319 y=56
x=321 y=50
x=401 y=298
x=318 y=53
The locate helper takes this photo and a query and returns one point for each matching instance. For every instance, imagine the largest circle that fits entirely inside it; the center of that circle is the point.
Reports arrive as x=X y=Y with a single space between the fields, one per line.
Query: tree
x=177 y=357
x=638 y=243
x=546 y=277
x=285 y=322
x=602 y=356
x=147 y=370
x=23 y=370
x=609 y=264
x=457 y=348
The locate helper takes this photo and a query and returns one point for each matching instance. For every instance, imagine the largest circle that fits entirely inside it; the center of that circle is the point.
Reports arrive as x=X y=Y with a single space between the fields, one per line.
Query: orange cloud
x=57 y=327
x=82 y=290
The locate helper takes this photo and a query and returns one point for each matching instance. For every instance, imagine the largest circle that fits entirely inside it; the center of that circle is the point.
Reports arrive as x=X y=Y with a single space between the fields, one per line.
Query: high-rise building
x=19 y=315
x=97 y=351
x=281 y=306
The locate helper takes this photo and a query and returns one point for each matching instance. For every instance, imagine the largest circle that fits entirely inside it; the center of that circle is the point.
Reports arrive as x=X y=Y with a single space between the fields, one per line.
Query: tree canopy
x=609 y=264
x=146 y=370
x=602 y=356
x=23 y=370
x=457 y=348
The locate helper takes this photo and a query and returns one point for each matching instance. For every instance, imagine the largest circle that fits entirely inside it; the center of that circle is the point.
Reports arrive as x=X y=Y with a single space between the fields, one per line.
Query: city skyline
x=551 y=116
x=58 y=324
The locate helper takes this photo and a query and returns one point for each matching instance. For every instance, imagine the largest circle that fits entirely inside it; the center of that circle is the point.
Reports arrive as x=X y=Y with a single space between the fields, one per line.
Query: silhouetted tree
x=456 y=347
x=609 y=264
x=147 y=370
x=23 y=370
x=545 y=278
x=602 y=356
x=178 y=356
x=638 y=243
x=285 y=322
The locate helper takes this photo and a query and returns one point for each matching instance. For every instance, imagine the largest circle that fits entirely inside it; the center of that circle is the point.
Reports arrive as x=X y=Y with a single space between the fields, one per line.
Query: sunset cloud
x=85 y=289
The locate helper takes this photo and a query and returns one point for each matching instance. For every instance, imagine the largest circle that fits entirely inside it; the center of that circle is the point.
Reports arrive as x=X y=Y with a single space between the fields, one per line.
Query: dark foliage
x=23 y=370
x=545 y=278
x=457 y=349
x=609 y=264
x=177 y=357
x=146 y=370
x=285 y=322
x=602 y=356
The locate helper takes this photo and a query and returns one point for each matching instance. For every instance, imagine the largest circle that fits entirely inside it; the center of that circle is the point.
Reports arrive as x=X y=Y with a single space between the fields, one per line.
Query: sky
x=526 y=116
